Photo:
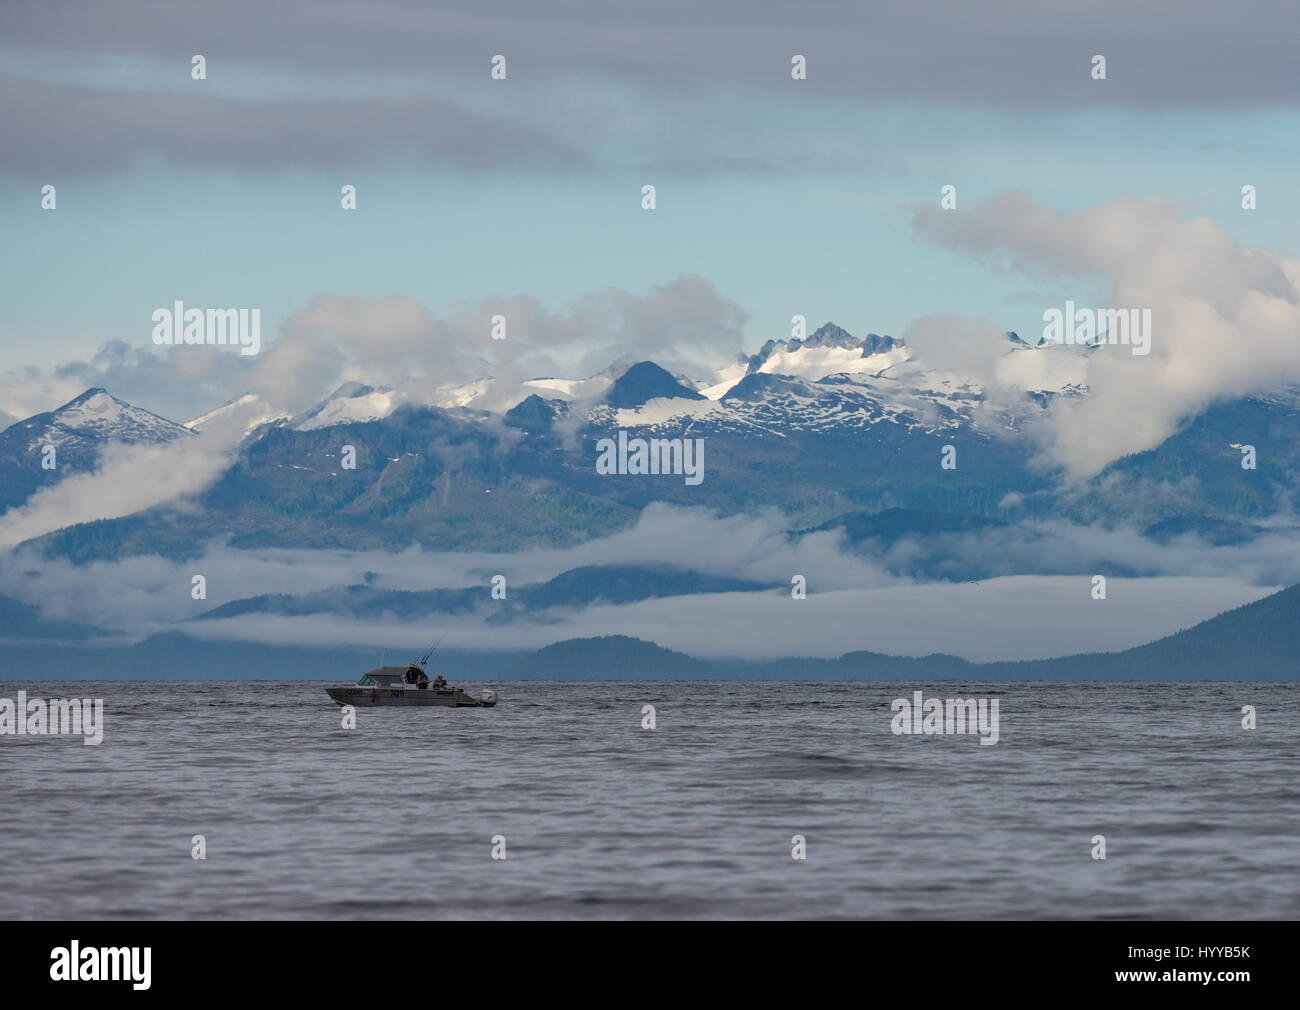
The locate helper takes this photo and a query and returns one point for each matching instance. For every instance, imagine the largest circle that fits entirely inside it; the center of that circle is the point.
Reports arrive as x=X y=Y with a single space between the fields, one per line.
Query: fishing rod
x=424 y=658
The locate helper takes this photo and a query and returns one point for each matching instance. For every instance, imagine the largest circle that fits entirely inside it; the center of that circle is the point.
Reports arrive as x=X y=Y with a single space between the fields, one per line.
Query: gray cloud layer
x=1016 y=52
x=431 y=62
x=58 y=127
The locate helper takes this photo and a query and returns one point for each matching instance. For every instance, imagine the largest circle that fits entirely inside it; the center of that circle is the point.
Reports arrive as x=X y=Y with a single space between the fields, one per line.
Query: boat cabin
x=395 y=676
x=384 y=676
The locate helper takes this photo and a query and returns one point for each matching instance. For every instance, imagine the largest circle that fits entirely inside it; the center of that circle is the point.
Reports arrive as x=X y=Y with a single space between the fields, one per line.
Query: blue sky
x=817 y=240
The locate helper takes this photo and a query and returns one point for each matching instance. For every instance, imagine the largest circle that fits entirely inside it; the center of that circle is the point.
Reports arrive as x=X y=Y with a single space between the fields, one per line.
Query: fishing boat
x=408 y=686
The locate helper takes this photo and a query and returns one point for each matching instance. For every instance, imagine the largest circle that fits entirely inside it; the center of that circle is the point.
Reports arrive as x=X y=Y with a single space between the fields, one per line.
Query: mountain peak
x=617 y=367
x=351 y=390
x=100 y=415
x=96 y=399
x=533 y=413
x=246 y=413
x=828 y=336
x=646 y=381
x=351 y=403
x=79 y=429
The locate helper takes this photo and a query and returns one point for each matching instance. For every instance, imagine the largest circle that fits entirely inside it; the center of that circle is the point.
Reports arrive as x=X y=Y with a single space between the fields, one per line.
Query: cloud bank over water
x=855 y=601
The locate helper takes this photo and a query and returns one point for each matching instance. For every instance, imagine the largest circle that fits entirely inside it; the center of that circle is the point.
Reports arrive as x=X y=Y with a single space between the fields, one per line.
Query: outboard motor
x=487 y=696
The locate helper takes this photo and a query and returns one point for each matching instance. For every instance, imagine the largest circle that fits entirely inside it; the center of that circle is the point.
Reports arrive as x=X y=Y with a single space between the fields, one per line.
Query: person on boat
x=439 y=683
x=414 y=675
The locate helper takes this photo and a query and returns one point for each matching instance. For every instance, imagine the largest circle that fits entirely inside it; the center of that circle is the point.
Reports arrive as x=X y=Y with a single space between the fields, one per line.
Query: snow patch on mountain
x=663 y=409
x=836 y=379
x=818 y=362
x=240 y=417
x=553 y=388
x=351 y=403
x=724 y=379
x=462 y=394
x=831 y=350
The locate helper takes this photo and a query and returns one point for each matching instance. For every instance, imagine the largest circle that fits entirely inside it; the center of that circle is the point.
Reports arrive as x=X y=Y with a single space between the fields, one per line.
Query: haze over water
x=603 y=819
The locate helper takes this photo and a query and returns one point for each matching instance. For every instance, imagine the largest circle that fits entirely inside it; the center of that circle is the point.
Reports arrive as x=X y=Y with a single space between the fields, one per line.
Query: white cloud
x=396 y=342
x=1224 y=316
x=1023 y=617
x=128 y=478
x=853 y=602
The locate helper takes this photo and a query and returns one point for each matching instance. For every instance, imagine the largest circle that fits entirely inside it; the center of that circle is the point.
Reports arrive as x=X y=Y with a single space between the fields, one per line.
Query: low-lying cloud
x=854 y=601
x=128 y=479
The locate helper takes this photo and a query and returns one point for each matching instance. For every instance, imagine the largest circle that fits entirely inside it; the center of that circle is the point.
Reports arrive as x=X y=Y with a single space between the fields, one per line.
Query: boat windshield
x=365 y=681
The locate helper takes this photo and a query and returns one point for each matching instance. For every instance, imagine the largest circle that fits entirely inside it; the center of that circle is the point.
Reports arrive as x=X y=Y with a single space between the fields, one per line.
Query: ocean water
x=695 y=819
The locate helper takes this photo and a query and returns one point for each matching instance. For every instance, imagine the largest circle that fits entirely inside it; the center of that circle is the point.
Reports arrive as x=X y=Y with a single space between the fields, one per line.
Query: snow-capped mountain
x=351 y=403
x=460 y=394
x=91 y=419
x=834 y=381
x=830 y=380
x=78 y=431
x=829 y=351
x=241 y=416
x=815 y=427
x=569 y=389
